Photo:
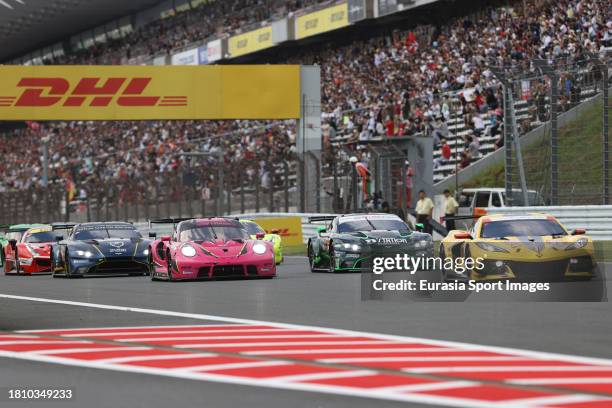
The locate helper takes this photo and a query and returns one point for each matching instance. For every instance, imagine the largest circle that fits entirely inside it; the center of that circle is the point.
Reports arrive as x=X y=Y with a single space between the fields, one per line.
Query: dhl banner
x=149 y=92
x=250 y=41
x=289 y=228
x=321 y=21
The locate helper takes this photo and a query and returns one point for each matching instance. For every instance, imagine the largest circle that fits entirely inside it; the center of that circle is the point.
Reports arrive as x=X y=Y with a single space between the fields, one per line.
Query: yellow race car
x=534 y=247
x=256 y=232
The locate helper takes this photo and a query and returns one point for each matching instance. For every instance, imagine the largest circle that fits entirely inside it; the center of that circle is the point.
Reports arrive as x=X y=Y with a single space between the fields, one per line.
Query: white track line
x=283 y=343
x=349 y=391
x=238 y=321
x=85 y=350
x=58 y=341
x=349 y=351
x=121 y=328
x=495 y=369
x=135 y=333
x=264 y=383
x=117 y=360
x=263 y=336
x=551 y=401
x=325 y=376
x=565 y=380
x=417 y=359
x=231 y=366
x=435 y=386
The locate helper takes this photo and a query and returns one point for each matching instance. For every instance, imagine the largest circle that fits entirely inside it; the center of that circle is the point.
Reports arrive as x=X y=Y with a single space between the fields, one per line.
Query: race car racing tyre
x=442 y=256
x=169 y=260
x=151 y=267
x=67 y=272
x=332 y=259
x=311 y=258
x=17 y=267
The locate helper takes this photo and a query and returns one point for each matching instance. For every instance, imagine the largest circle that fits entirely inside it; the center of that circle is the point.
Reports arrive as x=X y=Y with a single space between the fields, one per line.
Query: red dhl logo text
x=283 y=232
x=93 y=92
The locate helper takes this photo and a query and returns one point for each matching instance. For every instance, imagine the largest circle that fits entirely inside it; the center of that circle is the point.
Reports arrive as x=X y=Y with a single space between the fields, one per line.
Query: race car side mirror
x=462 y=235
x=579 y=231
x=13 y=243
x=152 y=235
x=58 y=238
x=165 y=238
x=321 y=230
x=420 y=227
x=260 y=235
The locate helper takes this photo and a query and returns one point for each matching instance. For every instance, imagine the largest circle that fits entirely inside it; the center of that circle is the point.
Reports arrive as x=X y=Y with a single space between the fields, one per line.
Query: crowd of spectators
x=211 y=18
x=402 y=84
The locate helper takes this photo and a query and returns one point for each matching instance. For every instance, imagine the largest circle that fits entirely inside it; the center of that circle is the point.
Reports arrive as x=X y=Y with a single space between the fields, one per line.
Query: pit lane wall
x=596 y=219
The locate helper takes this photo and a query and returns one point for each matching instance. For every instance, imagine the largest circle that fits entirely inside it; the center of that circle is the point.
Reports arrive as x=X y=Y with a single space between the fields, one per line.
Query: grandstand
x=384 y=77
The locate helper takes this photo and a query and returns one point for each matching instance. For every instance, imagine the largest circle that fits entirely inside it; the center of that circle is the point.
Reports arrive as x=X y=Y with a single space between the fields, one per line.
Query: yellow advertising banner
x=289 y=228
x=149 y=92
x=250 y=41
x=322 y=21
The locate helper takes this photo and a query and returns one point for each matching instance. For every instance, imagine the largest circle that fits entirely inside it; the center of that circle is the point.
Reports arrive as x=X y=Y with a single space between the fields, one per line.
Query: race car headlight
x=581 y=243
x=259 y=249
x=145 y=252
x=85 y=254
x=490 y=247
x=188 y=251
x=422 y=244
x=348 y=247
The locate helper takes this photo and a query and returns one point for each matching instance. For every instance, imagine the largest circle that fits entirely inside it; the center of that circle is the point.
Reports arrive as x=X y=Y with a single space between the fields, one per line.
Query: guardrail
x=596 y=219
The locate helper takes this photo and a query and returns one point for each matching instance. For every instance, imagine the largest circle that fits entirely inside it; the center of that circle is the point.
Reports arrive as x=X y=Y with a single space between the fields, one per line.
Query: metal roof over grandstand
x=26 y=25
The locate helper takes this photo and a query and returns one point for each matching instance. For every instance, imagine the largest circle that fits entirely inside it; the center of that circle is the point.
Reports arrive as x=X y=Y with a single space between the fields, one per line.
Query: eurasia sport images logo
x=44 y=92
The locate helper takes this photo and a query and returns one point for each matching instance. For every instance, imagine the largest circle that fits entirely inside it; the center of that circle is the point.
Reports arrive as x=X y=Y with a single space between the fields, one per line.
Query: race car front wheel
x=311 y=260
x=151 y=267
x=67 y=271
x=332 y=259
x=169 y=259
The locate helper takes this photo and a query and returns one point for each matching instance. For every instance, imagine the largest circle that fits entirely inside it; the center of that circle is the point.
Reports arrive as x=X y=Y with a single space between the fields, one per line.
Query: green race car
x=349 y=240
x=256 y=232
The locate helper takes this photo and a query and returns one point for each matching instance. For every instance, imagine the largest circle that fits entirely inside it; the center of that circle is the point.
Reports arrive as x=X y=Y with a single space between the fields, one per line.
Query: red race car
x=31 y=253
x=209 y=248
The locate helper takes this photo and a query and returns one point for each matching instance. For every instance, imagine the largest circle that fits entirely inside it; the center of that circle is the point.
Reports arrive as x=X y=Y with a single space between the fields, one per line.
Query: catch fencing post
x=270 y=187
x=286 y=181
x=241 y=181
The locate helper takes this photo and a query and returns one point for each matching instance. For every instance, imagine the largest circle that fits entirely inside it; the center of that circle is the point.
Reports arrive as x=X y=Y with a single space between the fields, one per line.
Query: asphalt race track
x=294 y=345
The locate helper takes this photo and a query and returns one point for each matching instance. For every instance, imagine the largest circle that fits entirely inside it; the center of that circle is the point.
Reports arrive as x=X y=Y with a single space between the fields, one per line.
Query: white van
x=474 y=201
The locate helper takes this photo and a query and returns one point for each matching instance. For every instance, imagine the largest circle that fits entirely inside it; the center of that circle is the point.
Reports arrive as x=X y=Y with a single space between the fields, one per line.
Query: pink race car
x=209 y=248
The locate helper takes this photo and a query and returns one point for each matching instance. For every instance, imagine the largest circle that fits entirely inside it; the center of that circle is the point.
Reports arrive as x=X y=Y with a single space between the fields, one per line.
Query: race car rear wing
x=177 y=220
x=169 y=220
x=321 y=218
x=7 y=228
x=62 y=226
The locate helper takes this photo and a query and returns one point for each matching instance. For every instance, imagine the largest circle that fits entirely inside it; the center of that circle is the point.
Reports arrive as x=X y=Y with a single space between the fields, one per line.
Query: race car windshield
x=372 y=224
x=103 y=233
x=389 y=225
x=253 y=229
x=354 y=226
x=210 y=233
x=521 y=228
x=124 y=233
x=46 y=236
